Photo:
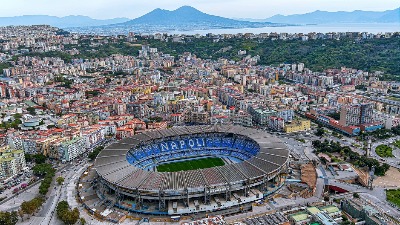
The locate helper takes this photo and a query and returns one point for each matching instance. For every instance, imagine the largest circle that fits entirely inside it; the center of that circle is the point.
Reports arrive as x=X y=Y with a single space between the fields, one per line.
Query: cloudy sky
x=258 y=9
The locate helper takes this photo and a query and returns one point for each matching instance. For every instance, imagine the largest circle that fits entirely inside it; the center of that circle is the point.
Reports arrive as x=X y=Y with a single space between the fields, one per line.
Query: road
x=70 y=177
x=46 y=215
x=395 y=161
x=377 y=196
x=303 y=151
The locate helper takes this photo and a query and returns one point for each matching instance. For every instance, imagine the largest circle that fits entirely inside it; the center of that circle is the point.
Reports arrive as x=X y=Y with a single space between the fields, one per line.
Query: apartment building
x=356 y=114
x=71 y=149
x=298 y=125
x=12 y=162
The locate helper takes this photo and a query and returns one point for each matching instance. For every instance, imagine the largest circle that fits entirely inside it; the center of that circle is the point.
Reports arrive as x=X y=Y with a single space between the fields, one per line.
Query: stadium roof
x=112 y=165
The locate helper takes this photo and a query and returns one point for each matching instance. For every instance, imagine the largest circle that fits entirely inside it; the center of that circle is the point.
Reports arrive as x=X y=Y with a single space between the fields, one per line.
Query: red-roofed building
x=276 y=123
x=124 y=132
x=177 y=118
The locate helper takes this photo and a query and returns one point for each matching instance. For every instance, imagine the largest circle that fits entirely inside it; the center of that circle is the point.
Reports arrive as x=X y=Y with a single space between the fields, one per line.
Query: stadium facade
x=127 y=170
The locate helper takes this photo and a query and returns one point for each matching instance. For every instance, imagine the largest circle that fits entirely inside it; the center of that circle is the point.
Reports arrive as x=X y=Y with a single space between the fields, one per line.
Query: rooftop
x=330 y=209
x=313 y=210
x=301 y=216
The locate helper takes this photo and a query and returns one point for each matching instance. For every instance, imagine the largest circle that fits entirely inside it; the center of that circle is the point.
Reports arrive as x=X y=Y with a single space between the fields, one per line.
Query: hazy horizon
x=256 y=9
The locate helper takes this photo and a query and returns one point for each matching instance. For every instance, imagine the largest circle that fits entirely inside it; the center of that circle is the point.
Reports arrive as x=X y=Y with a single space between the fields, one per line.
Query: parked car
x=15 y=190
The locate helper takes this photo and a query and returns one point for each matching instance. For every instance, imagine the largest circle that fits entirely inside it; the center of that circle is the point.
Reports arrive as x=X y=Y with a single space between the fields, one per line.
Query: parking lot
x=14 y=184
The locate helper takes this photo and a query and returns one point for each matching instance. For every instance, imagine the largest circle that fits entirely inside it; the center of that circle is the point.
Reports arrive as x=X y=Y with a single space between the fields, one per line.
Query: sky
x=257 y=9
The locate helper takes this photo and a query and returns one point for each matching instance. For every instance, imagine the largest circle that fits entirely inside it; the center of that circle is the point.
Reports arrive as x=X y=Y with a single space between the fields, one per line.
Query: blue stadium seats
x=169 y=150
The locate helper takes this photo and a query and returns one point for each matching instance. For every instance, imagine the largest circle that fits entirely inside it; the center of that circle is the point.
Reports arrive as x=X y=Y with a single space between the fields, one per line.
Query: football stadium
x=191 y=169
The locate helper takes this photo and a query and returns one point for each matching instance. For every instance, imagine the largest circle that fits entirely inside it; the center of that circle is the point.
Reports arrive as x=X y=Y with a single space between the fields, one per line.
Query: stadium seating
x=147 y=156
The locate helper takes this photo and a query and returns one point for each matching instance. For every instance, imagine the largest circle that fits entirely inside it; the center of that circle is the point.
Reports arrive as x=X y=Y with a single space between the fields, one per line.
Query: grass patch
x=384 y=151
x=190 y=165
x=301 y=140
x=393 y=196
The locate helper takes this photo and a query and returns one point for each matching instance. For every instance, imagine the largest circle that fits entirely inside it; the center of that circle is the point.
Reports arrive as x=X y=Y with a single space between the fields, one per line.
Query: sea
x=374 y=28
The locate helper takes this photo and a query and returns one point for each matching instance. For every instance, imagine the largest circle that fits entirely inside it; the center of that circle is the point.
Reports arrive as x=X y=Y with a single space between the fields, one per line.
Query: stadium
x=192 y=169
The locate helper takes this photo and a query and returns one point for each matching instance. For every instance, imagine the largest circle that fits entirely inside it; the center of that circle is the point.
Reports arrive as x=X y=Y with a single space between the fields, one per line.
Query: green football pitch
x=190 y=165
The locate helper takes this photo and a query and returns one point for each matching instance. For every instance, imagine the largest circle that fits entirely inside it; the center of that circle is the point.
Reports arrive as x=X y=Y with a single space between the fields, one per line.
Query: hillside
x=321 y=17
x=61 y=22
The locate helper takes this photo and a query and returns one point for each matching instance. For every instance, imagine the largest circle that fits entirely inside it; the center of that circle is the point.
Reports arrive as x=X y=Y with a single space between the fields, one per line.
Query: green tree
x=71 y=217
x=8 y=218
x=356 y=195
x=156 y=119
x=28 y=157
x=39 y=158
x=62 y=207
x=68 y=217
x=96 y=151
x=82 y=220
x=320 y=131
x=30 y=207
x=42 y=169
x=17 y=116
x=31 y=110
x=361 y=87
x=335 y=115
x=60 y=180
x=27 y=208
x=49 y=172
x=353 y=157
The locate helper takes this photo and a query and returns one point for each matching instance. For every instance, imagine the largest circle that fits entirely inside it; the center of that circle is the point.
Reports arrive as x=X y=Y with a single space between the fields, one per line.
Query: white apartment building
x=69 y=150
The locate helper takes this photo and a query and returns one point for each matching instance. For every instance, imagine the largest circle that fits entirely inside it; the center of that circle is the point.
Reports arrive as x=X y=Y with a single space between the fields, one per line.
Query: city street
x=395 y=161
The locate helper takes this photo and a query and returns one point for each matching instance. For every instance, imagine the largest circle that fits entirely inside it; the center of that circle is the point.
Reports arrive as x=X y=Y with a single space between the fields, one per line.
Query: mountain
x=321 y=17
x=62 y=22
x=187 y=16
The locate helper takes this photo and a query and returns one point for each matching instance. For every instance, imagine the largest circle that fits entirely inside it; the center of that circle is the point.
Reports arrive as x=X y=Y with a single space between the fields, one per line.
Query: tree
x=8 y=218
x=320 y=132
x=49 y=172
x=17 y=116
x=21 y=214
x=361 y=87
x=156 y=119
x=31 y=110
x=335 y=115
x=356 y=195
x=62 y=207
x=95 y=152
x=39 y=158
x=60 y=180
x=82 y=220
x=42 y=169
x=30 y=207
x=68 y=217
x=71 y=217
x=108 y=80
x=28 y=157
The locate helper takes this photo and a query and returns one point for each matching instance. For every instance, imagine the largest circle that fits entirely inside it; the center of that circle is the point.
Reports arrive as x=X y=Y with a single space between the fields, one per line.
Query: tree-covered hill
x=367 y=54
